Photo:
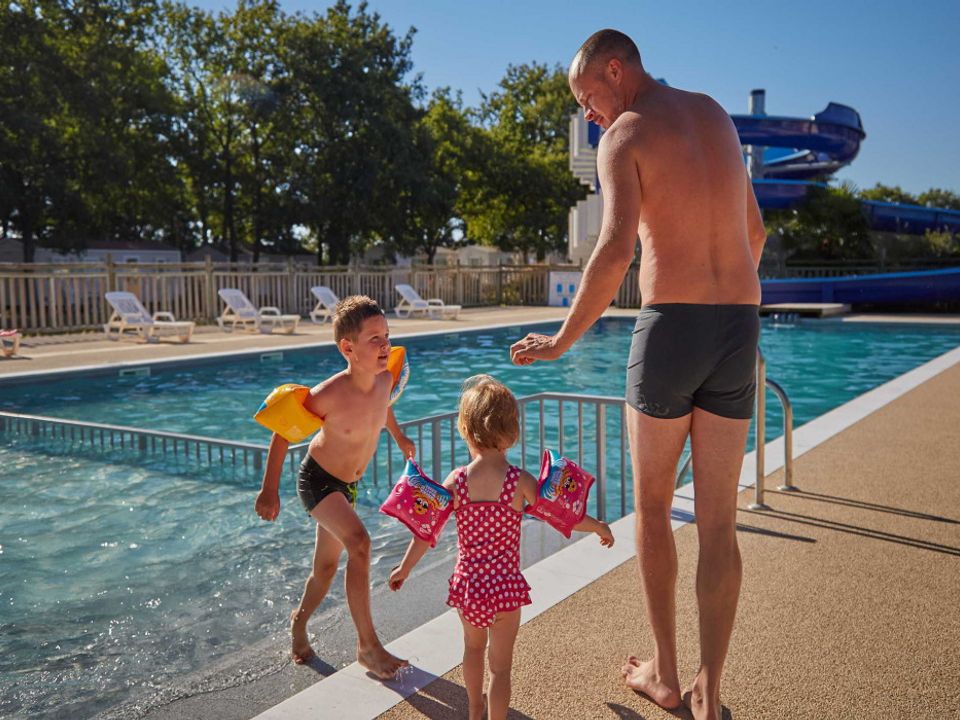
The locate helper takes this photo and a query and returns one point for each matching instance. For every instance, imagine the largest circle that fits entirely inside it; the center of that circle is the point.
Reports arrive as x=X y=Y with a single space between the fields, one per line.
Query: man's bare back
x=693 y=230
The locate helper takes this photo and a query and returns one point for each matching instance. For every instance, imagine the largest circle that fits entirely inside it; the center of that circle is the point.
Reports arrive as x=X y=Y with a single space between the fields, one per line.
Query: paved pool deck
x=49 y=353
x=849 y=599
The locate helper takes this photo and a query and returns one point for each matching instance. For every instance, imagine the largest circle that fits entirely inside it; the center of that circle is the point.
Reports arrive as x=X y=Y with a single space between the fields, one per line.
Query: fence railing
x=589 y=429
x=70 y=296
x=173 y=452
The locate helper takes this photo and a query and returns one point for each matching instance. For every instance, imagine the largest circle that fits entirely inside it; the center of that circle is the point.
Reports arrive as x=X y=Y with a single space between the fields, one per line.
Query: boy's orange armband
x=283 y=412
x=400 y=369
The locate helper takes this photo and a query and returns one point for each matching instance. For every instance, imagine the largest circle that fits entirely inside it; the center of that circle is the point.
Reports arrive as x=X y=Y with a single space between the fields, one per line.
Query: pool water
x=116 y=578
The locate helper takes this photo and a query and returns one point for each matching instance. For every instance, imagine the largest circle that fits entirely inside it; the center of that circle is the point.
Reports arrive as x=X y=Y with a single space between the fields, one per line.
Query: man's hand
x=535 y=347
x=407 y=446
x=268 y=505
x=397 y=578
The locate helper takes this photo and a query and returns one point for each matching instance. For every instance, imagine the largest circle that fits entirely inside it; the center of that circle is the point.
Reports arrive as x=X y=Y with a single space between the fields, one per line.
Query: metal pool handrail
x=439 y=444
x=764 y=382
x=117 y=437
x=436 y=436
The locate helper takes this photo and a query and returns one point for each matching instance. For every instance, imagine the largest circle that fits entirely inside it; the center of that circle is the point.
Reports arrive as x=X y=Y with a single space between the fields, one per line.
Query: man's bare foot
x=642 y=677
x=701 y=706
x=301 y=652
x=378 y=661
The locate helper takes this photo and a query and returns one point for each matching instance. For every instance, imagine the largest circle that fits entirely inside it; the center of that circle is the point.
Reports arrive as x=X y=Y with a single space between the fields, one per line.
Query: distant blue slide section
x=907 y=287
x=801 y=150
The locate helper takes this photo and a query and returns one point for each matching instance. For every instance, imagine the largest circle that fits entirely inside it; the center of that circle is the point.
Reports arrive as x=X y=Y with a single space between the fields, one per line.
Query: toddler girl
x=487 y=587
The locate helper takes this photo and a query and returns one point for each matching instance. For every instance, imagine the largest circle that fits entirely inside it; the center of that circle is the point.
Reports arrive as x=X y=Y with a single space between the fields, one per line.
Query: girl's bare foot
x=301 y=652
x=480 y=711
x=700 y=703
x=642 y=677
x=377 y=660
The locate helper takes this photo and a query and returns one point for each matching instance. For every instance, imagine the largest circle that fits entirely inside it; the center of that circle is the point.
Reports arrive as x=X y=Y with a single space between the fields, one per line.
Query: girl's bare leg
x=474 y=645
x=503 y=634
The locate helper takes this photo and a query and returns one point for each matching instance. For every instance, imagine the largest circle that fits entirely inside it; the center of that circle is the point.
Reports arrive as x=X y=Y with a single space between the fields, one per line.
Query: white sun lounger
x=129 y=314
x=411 y=303
x=326 y=304
x=240 y=311
x=9 y=342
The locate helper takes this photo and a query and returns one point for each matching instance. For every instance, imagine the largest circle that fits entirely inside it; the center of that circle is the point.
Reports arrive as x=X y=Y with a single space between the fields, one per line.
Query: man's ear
x=345 y=345
x=615 y=69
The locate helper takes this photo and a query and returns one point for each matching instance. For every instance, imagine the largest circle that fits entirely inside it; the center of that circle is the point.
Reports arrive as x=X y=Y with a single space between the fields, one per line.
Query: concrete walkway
x=849 y=602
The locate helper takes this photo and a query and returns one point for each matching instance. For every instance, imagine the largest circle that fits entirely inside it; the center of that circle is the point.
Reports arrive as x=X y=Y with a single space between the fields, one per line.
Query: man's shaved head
x=601 y=47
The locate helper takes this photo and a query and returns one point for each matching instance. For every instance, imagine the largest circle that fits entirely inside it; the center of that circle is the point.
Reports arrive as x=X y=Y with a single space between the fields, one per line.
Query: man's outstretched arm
x=615 y=250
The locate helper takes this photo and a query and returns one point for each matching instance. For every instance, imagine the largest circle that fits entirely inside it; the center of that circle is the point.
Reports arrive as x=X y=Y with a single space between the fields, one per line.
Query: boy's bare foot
x=378 y=661
x=701 y=706
x=642 y=677
x=301 y=652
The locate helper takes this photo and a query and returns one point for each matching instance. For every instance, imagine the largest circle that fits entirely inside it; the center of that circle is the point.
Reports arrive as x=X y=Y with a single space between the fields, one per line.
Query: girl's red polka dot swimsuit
x=487 y=578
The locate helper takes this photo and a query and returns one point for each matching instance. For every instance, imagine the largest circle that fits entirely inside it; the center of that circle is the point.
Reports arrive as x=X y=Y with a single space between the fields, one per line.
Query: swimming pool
x=115 y=577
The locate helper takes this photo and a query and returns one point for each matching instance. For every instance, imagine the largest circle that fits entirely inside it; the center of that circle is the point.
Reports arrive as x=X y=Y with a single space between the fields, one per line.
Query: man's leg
x=655 y=447
x=337 y=516
x=718 y=444
x=326 y=555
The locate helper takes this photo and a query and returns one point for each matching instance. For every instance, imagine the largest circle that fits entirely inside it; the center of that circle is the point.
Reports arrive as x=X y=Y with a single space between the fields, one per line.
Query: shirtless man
x=672 y=172
x=354 y=405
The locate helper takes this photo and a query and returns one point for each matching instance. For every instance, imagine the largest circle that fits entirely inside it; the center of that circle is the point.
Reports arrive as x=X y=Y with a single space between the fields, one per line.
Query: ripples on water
x=115 y=579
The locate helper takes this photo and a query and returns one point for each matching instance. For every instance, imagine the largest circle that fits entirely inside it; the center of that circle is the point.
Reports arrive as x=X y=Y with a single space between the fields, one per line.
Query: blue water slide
x=904 y=287
x=798 y=151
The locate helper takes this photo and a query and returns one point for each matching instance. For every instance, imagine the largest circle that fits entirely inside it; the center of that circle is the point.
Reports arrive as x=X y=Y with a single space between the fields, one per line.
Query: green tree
x=84 y=122
x=829 y=225
x=527 y=190
x=939 y=198
x=888 y=193
x=448 y=152
x=209 y=78
x=355 y=118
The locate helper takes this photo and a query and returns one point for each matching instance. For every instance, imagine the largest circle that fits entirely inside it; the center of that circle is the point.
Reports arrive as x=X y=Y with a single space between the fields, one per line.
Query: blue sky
x=898 y=65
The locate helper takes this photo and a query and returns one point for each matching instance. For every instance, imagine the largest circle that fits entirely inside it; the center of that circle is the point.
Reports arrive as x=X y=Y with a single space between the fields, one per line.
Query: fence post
x=602 y=461
x=459 y=284
x=499 y=283
x=760 y=430
x=111 y=274
x=210 y=293
x=291 y=300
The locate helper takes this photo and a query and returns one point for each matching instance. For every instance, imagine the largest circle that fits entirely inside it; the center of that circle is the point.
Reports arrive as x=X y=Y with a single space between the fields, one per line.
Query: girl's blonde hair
x=489 y=415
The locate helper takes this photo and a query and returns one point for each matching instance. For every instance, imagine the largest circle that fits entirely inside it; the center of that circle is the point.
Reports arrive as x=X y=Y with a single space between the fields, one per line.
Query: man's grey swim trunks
x=684 y=356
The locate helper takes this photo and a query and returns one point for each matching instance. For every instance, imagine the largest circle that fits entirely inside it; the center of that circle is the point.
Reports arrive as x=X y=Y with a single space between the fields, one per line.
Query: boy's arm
x=591 y=524
x=415 y=550
x=268 y=500
x=406 y=445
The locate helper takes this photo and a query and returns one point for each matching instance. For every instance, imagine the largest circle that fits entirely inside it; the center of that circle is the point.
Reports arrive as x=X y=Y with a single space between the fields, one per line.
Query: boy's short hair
x=489 y=414
x=349 y=316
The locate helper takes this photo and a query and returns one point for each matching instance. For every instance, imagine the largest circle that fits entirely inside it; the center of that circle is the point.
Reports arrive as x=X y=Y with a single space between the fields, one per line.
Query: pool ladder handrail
x=760 y=443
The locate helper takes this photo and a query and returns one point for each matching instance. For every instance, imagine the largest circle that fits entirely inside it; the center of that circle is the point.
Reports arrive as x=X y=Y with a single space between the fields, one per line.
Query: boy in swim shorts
x=354 y=406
